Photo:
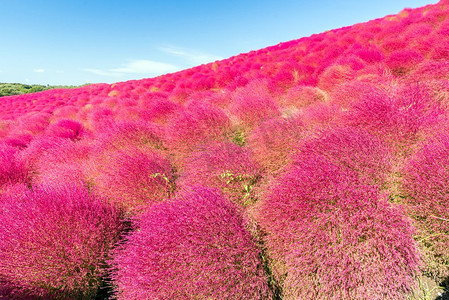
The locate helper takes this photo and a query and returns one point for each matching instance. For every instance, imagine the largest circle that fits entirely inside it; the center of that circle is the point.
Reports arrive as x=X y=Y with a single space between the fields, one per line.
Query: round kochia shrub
x=329 y=236
x=193 y=247
x=12 y=170
x=253 y=103
x=400 y=117
x=351 y=148
x=426 y=184
x=226 y=166
x=54 y=243
x=402 y=61
x=129 y=134
x=133 y=178
x=302 y=96
x=56 y=159
x=274 y=140
x=199 y=123
x=66 y=128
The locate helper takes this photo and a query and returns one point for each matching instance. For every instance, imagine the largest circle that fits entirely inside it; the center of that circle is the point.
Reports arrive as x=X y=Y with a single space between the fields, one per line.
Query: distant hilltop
x=10 y=89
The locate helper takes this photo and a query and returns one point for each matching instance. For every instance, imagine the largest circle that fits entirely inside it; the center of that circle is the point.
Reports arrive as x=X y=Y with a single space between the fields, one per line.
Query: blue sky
x=76 y=42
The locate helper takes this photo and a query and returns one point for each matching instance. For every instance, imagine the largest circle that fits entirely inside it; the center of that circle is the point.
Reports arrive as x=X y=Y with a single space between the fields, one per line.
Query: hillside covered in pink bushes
x=313 y=169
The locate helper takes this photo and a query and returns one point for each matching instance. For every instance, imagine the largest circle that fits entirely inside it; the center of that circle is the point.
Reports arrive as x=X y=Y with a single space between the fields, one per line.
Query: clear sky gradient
x=73 y=42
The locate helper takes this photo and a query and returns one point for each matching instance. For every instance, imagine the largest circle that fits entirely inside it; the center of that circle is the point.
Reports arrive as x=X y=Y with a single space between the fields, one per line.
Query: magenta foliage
x=134 y=177
x=253 y=103
x=370 y=55
x=66 y=129
x=201 y=81
x=67 y=111
x=273 y=141
x=334 y=76
x=402 y=61
x=440 y=50
x=351 y=148
x=426 y=182
x=130 y=134
x=398 y=117
x=99 y=118
x=302 y=96
x=34 y=122
x=392 y=43
x=55 y=159
x=432 y=69
x=353 y=61
x=354 y=90
x=193 y=247
x=226 y=166
x=331 y=237
x=14 y=190
x=158 y=109
x=54 y=242
x=199 y=123
x=18 y=140
x=321 y=115
x=12 y=168
x=288 y=74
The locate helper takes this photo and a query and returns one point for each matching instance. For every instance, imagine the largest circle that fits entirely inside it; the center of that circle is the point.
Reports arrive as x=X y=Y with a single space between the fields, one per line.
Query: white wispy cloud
x=39 y=70
x=193 y=57
x=139 y=66
x=146 y=66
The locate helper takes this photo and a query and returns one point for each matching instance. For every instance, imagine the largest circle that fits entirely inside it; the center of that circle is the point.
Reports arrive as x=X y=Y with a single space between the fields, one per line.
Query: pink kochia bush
x=351 y=148
x=133 y=178
x=402 y=61
x=400 y=117
x=199 y=123
x=426 y=184
x=66 y=129
x=12 y=169
x=54 y=243
x=302 y=96
x=253 y=103
x=226 y=166
x=329 y=236
x=273 y=141
x=55 y=159
x=128 y=134
x=193 y=247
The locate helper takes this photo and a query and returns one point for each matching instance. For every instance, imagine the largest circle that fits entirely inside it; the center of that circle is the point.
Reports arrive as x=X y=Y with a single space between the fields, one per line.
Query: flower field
x=313 y=169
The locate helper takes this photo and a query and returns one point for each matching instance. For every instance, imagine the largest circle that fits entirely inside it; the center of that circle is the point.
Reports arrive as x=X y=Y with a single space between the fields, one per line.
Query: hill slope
x=313 y=169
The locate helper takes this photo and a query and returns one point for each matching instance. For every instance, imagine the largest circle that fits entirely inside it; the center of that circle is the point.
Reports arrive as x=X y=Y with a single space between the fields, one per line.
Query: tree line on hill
x=9 y=89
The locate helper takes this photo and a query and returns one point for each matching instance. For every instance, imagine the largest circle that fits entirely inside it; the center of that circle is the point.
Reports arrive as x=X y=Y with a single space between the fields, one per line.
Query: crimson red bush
x=66 y=129
x=335 y=75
